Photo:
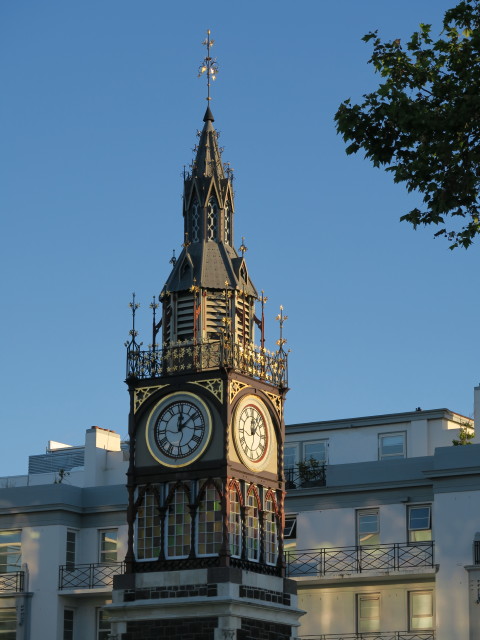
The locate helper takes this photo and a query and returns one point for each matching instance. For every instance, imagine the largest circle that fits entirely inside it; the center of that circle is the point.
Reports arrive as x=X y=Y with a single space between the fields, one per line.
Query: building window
x=290 y=531
x=235 y=522
x=148 y=528
x=368 y=612
x=71 y=550
x=179 y=524
x=212 y=219
x=270 y=525
x=421 y=610
x=68 y=619
x=368 y=527
x=108 y=545
x=210 y=522
x=103 y=625
x=253 y=528
x=10 y=551
x=290 y=457
x=8 y=624
x=392 y=445
x=420 y=523
x=316 y=450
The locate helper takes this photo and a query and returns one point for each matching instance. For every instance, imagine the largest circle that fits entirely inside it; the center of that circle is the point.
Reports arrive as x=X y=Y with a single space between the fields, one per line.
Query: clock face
x=253 y=432
x=179 y=429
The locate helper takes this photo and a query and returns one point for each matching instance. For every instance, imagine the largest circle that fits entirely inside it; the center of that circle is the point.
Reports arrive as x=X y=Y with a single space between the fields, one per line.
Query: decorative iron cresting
x=186 y=357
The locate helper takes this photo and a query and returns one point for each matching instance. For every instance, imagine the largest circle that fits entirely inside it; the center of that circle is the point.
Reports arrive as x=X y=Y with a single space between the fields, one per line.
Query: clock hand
x=189 y=418
x=179 y=423
x=253 y=427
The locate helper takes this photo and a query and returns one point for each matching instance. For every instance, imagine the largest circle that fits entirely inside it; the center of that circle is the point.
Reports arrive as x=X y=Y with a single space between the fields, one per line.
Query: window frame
x=10 y=614
x=306 y=457
x=101 y=541
x=366 y=512
x=13 y=548
x=100 y=621
x=73 y=534
x=363 y=597
x=410 y=530
x=201 y=520
x=411 y=595
x=65 y=631
x=390 y=456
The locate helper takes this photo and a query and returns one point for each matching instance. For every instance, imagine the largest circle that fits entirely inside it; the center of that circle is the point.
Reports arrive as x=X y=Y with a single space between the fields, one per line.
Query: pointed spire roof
x=208 y=161
x=208 y=116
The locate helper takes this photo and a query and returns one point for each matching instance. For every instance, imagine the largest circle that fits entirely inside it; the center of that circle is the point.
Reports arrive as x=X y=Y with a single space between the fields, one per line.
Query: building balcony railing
x=89 y=576
x=13 y=582
x=186 y=357
x=305 y=475
x=375 y=635
x=317 y=563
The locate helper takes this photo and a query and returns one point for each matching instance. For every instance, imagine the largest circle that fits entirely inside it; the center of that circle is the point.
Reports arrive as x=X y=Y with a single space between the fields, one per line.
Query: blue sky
x=98 y=112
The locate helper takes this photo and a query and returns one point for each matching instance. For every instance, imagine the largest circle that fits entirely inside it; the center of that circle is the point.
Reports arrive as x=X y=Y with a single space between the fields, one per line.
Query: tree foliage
x=423 y=122
x=465 y=434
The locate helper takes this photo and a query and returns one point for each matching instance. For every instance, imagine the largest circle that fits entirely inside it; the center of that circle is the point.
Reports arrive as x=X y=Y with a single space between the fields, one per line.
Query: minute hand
x=188 y=420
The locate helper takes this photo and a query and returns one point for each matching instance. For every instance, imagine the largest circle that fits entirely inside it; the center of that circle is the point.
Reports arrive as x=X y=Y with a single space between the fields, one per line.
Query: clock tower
x=205 y=480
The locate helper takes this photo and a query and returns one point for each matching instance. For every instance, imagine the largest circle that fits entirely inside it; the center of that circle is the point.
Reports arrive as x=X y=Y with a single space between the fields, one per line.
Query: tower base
x=218 y=603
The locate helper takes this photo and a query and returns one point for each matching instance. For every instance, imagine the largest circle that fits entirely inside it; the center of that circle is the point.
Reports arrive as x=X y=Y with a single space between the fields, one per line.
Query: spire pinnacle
x=210 y=67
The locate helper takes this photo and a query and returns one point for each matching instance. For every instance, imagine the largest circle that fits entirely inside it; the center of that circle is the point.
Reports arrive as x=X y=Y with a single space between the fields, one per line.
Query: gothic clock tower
x=205 y=480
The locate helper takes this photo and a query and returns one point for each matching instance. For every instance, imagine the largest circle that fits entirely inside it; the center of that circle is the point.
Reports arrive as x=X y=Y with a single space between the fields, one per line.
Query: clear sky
x=98 y=112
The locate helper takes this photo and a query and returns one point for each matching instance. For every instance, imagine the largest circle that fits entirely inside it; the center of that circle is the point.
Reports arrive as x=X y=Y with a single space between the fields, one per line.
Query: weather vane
x=209 y=64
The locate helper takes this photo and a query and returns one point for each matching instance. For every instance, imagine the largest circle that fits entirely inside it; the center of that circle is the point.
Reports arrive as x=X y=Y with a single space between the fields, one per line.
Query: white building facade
x=382 y=532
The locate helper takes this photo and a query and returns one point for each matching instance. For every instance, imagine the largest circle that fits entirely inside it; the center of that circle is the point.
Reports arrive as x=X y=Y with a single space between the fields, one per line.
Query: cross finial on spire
x=209 y=64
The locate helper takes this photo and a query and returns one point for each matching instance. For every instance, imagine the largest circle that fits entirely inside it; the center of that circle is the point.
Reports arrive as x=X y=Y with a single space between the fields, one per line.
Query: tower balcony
x=187 y=357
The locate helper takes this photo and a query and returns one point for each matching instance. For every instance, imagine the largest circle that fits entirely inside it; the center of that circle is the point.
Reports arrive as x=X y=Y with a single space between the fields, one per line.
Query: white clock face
x=178 y=429
x=253 y=433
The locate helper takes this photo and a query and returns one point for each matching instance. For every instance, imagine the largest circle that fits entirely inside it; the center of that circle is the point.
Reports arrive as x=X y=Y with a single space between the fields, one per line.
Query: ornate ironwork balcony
x=12 y=582
x=186 y=357
x=375 y=635
x=89 y=576
x=383 y=557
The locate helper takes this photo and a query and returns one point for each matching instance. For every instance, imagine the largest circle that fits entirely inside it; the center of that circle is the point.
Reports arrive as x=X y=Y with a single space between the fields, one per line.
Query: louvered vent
x=184 y=317
x=242 y=325
x=215 y=314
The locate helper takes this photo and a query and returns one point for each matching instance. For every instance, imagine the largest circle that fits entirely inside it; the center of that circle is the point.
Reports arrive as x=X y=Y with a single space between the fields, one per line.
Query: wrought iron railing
x=186 y=357
x=88 y=576
x=13 y=582
x=382 y=557
x=307 y=476
x=375 y=635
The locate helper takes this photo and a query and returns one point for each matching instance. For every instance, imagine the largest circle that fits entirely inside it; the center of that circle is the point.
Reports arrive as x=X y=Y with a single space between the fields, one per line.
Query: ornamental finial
x=209 y=64
x=242 y=248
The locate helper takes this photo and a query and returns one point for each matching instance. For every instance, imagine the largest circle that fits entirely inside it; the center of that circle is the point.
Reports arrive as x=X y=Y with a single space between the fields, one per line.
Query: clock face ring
x=253 y=433
x=178 y=429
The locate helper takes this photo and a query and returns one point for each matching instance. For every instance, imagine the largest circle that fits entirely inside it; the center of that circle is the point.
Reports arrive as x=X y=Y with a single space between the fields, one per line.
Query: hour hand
x=253 y=427
x=179 y=423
